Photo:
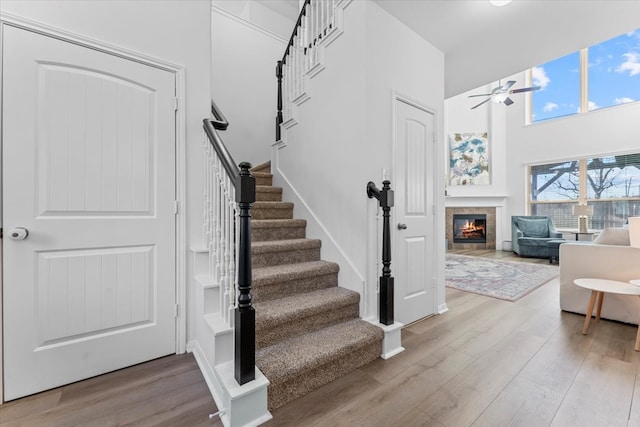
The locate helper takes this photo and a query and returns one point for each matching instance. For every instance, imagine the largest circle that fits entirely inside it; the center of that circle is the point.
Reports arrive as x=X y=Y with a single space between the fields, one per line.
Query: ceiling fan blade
x=525 y=89
x=483 y=102
x=480 y=94
x=508 y=85
x=507 y=101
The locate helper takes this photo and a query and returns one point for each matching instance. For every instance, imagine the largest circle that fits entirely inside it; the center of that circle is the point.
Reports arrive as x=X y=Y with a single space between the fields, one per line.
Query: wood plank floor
x=485 y=362
x=165 y=392
x=489 y=363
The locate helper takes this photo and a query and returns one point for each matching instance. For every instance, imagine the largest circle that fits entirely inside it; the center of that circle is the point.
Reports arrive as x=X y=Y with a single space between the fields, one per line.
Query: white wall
x=275 y=16
x=174 y=31
x=244 y=83
x=610 y=130
x=343 y=138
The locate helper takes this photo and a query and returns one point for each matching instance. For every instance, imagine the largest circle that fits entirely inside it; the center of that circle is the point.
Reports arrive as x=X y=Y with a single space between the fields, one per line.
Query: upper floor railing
x=315 y=22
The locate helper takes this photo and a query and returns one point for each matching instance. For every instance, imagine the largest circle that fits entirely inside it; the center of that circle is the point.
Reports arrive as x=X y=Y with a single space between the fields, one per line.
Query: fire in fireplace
x=469 y=228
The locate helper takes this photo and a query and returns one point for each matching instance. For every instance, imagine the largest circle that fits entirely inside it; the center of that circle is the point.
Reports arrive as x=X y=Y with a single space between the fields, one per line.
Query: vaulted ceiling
x=483 y=43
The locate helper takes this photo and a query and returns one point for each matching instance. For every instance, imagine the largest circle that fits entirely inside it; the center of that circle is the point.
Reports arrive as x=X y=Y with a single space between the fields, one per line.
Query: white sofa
x=603 y=261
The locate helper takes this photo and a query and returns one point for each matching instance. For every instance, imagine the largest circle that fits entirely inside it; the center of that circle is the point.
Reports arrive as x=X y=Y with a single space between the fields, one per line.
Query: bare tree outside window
x=612 y=187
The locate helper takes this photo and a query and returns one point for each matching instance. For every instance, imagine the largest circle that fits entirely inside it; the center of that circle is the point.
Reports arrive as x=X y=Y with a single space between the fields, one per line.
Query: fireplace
x=469 y=228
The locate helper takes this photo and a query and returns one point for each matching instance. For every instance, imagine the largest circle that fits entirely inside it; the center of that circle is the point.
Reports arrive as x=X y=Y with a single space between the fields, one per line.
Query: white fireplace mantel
x=479 y=201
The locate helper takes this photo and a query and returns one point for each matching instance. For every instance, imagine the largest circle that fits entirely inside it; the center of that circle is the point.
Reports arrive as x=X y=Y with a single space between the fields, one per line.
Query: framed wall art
x=469 y=159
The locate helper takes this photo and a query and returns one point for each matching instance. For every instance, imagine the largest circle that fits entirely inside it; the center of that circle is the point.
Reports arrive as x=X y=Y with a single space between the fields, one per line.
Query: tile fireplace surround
x=490 y=230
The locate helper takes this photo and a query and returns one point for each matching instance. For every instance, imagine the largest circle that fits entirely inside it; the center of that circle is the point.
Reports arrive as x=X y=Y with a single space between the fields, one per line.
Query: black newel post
x=385 y=198
x=245 y=315
x=279 y=118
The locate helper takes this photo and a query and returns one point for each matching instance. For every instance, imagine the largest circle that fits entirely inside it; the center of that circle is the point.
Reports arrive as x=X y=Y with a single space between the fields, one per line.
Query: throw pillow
x=613 y=236
x=533 y=227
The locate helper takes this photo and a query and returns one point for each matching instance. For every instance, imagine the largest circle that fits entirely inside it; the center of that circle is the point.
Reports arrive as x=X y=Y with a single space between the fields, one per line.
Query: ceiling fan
x=501 y=93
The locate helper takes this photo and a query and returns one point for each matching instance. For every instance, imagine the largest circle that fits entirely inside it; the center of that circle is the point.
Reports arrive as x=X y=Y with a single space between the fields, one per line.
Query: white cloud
x=550 y=106
x=540 y=77
x=592 y=106
x=624 y=100
x=632 y=64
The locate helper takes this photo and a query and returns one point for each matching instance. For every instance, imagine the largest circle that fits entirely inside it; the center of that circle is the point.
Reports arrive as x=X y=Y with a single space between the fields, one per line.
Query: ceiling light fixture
x=499 y=2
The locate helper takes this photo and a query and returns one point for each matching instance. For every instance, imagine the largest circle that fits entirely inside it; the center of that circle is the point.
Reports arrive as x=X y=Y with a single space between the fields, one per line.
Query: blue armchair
x=530 y=234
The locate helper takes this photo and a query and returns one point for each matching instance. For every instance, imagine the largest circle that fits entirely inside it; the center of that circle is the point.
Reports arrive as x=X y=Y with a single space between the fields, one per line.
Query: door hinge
x=1 y=233
x=175 y=104
x=176 y=207
x=177 y=312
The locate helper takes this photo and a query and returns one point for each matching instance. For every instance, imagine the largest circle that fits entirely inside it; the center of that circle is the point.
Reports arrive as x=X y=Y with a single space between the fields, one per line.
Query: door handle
x=402 y=226
x=19 y=233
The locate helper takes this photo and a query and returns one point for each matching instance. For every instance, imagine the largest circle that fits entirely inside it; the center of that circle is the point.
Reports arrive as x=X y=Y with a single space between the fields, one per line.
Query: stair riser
x=271 y=291
x=277 y=233
x=305 y=382
x=264 y=180
x=267 y=335
x=268 y=196
x=272 y=213
x=285 y=257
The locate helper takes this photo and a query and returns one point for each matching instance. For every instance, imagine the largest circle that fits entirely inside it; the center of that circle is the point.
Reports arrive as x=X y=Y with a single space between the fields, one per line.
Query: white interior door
x=414 y=255
x=88 y=167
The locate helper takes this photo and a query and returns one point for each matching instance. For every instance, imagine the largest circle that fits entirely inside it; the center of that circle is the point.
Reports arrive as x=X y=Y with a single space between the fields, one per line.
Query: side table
x=598 y=288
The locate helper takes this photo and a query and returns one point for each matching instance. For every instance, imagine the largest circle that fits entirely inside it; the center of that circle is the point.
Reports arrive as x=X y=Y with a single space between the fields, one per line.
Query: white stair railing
x=219 y=229
x=303 y=56
x=229 y=194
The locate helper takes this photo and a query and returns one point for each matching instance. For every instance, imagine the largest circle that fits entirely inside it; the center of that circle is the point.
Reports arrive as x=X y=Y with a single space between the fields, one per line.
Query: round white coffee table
x=598 y=288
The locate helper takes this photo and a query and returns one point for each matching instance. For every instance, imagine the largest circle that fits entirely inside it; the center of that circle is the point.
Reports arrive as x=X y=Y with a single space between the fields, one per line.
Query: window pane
x=556 y=181
x=612 y=213
x=560 y=93
x=613 y=177
x=560 y=213
x=614 y=71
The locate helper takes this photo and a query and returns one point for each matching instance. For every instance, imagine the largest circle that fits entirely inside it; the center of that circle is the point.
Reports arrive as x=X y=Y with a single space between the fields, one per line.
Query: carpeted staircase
x=308 y=330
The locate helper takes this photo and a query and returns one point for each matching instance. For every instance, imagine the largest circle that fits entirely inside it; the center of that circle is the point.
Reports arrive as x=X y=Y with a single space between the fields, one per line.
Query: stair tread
x=286 y=272
x=262 y=174
x=292 y=357
x=284 y=245
x=275 y=223
x=278 y=311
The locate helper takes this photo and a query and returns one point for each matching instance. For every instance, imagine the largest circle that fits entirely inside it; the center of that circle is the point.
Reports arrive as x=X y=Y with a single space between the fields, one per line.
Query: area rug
x=506 y=280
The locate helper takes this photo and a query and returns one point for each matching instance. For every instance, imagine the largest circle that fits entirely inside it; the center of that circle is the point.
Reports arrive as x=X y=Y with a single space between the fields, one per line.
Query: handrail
x=219 y=121
x=385 y=198
x=225 y=157
x=315 y=21
x=244 y=186
x=303 y=12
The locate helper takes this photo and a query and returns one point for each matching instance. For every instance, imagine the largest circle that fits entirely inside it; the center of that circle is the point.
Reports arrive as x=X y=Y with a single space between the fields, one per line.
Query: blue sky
x=614 y=78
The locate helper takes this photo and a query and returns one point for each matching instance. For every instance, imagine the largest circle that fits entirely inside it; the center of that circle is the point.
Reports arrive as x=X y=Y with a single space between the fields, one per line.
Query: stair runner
x=308 y=330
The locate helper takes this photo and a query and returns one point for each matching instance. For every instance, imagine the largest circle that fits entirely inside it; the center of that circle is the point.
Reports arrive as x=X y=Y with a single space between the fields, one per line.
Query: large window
x=602 y=75
x=560 y=83
x=611 y=184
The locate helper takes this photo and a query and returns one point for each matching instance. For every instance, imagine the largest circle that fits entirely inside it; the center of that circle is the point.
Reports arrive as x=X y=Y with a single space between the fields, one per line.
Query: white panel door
x=88 y=167
x=413 y=259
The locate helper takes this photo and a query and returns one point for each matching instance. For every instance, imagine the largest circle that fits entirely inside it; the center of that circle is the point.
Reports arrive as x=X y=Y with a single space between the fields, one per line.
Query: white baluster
x=229 y=256
x=322 y=16
x=305 y=41
x=223 y=247
x=205 y=213
x=294 y=65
